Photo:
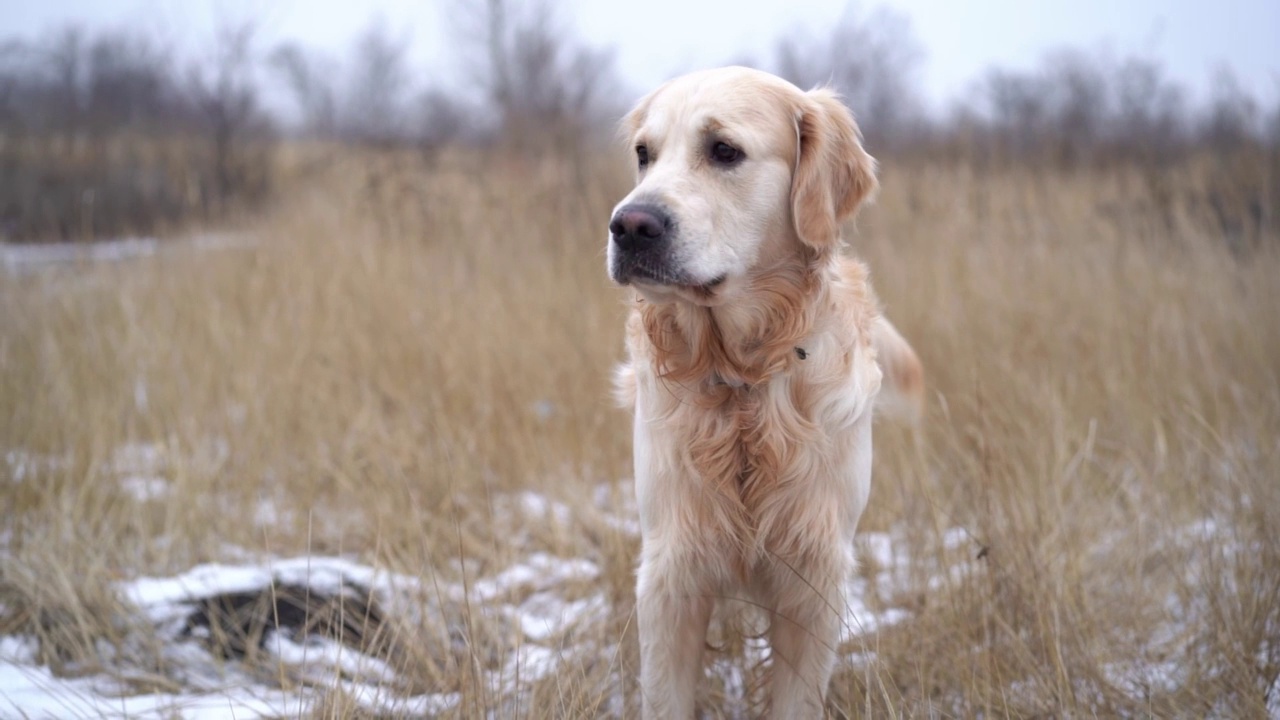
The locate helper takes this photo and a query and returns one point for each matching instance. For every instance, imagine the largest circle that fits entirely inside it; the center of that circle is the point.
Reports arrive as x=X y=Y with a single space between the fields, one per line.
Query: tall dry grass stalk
x=402 y=349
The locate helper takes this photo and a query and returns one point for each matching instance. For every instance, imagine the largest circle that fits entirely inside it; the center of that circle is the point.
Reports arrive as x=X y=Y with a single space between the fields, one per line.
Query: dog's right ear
x=833 y=174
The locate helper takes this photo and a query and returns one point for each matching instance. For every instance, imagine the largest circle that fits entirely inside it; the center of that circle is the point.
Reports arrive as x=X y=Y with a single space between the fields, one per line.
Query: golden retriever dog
x=756 y=353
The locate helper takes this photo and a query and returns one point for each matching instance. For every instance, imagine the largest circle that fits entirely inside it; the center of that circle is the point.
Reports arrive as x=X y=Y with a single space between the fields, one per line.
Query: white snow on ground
x=22 y=258
x=27 y=689
x=145 y=487
x=529 y=594
x=143 y=470
x=538 y=598
x=19 y=258
x=23 y=465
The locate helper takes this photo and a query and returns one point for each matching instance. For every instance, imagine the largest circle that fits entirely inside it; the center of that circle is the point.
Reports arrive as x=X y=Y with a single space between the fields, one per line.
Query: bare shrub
x=544 y=88
x=225 y=93
x=105 y=135
x=308 y=76
x=375 y=108
x=872 y=61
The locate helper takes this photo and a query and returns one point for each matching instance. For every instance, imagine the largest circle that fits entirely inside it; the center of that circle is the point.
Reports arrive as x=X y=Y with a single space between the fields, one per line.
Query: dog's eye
x=725 y=154
x=642 y=155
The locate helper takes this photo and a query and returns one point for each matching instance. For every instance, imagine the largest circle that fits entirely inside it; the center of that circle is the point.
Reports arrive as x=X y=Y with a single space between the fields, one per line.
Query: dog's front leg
x=673 y=619
x=803 y=633
x=803 y=657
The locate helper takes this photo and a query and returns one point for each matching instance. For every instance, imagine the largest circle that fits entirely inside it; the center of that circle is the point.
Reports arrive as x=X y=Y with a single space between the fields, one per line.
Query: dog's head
x=737 y=170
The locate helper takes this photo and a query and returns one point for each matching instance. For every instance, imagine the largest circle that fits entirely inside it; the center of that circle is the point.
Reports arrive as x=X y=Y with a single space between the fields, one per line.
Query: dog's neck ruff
x=738 y=384
x=739 y=345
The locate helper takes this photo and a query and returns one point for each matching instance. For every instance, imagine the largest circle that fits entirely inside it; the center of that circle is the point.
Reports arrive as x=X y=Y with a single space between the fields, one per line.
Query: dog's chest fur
x=745 y=441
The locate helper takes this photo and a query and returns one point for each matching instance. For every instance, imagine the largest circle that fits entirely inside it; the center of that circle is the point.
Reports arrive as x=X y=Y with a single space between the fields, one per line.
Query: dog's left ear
x=833 y=174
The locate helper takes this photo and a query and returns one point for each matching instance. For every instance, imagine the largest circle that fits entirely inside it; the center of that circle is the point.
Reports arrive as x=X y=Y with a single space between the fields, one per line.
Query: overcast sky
x=655 y=39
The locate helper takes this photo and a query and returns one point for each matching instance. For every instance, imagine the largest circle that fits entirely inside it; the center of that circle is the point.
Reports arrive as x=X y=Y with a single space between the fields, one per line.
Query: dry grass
x=403 y=350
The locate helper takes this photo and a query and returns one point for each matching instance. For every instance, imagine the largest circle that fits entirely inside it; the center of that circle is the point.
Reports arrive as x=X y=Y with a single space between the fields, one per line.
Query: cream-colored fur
x=753 y=369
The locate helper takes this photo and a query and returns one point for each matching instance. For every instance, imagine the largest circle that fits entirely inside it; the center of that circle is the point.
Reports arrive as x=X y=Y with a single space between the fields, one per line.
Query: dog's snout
x=638 y=226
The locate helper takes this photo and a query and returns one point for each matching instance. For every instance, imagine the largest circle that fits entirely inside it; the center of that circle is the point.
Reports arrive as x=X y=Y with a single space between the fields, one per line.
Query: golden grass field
x=1090 y=505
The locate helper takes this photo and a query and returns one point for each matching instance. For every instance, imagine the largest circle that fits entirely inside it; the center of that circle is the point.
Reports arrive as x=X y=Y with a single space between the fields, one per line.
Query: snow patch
x=536 y=605
x=533 y=594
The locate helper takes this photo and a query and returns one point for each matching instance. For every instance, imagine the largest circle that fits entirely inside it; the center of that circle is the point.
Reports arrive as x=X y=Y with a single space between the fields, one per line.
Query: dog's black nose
x=636 y=227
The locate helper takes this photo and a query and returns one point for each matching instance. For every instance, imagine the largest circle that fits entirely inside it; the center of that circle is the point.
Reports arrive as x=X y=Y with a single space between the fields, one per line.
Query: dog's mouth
x=643 y=274
x=707 y=289
x=699 y=292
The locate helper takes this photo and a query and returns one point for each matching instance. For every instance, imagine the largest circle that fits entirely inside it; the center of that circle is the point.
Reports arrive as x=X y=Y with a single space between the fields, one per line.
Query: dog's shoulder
x=901 y=394
x=853 y=301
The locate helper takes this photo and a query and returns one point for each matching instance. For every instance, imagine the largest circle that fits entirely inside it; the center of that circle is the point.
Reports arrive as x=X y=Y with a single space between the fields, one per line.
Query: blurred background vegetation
x=115 y=131
x=404 y=356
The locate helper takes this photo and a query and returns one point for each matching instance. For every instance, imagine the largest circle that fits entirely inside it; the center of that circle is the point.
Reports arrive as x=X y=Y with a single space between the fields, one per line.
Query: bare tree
x=374 y=107
x=225 y=92
x=1080 y=108
x=309 y=79
x=89 y=119
x=1232 y=117
x=443 y=119
x=67 y=60
x=16 y=86
x=75 y=82
x=542 y=86
x=46 y=81
x=871 y=61
x=129 y=84
x=1079 y=102
x=1018 y=109
x=1272 y=127
x=1150 y=111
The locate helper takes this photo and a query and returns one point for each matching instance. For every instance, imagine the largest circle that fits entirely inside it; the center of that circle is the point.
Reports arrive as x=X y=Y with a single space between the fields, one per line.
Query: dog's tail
x=902 y=388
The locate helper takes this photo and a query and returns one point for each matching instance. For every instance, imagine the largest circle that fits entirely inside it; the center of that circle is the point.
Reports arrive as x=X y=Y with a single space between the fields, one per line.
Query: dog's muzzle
x=641 y=236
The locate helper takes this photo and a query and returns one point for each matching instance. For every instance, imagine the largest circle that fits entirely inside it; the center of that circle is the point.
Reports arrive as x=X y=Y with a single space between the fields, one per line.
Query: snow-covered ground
x=527 y=593
x=174 y=608
x=18 y=259
x=539 y=600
